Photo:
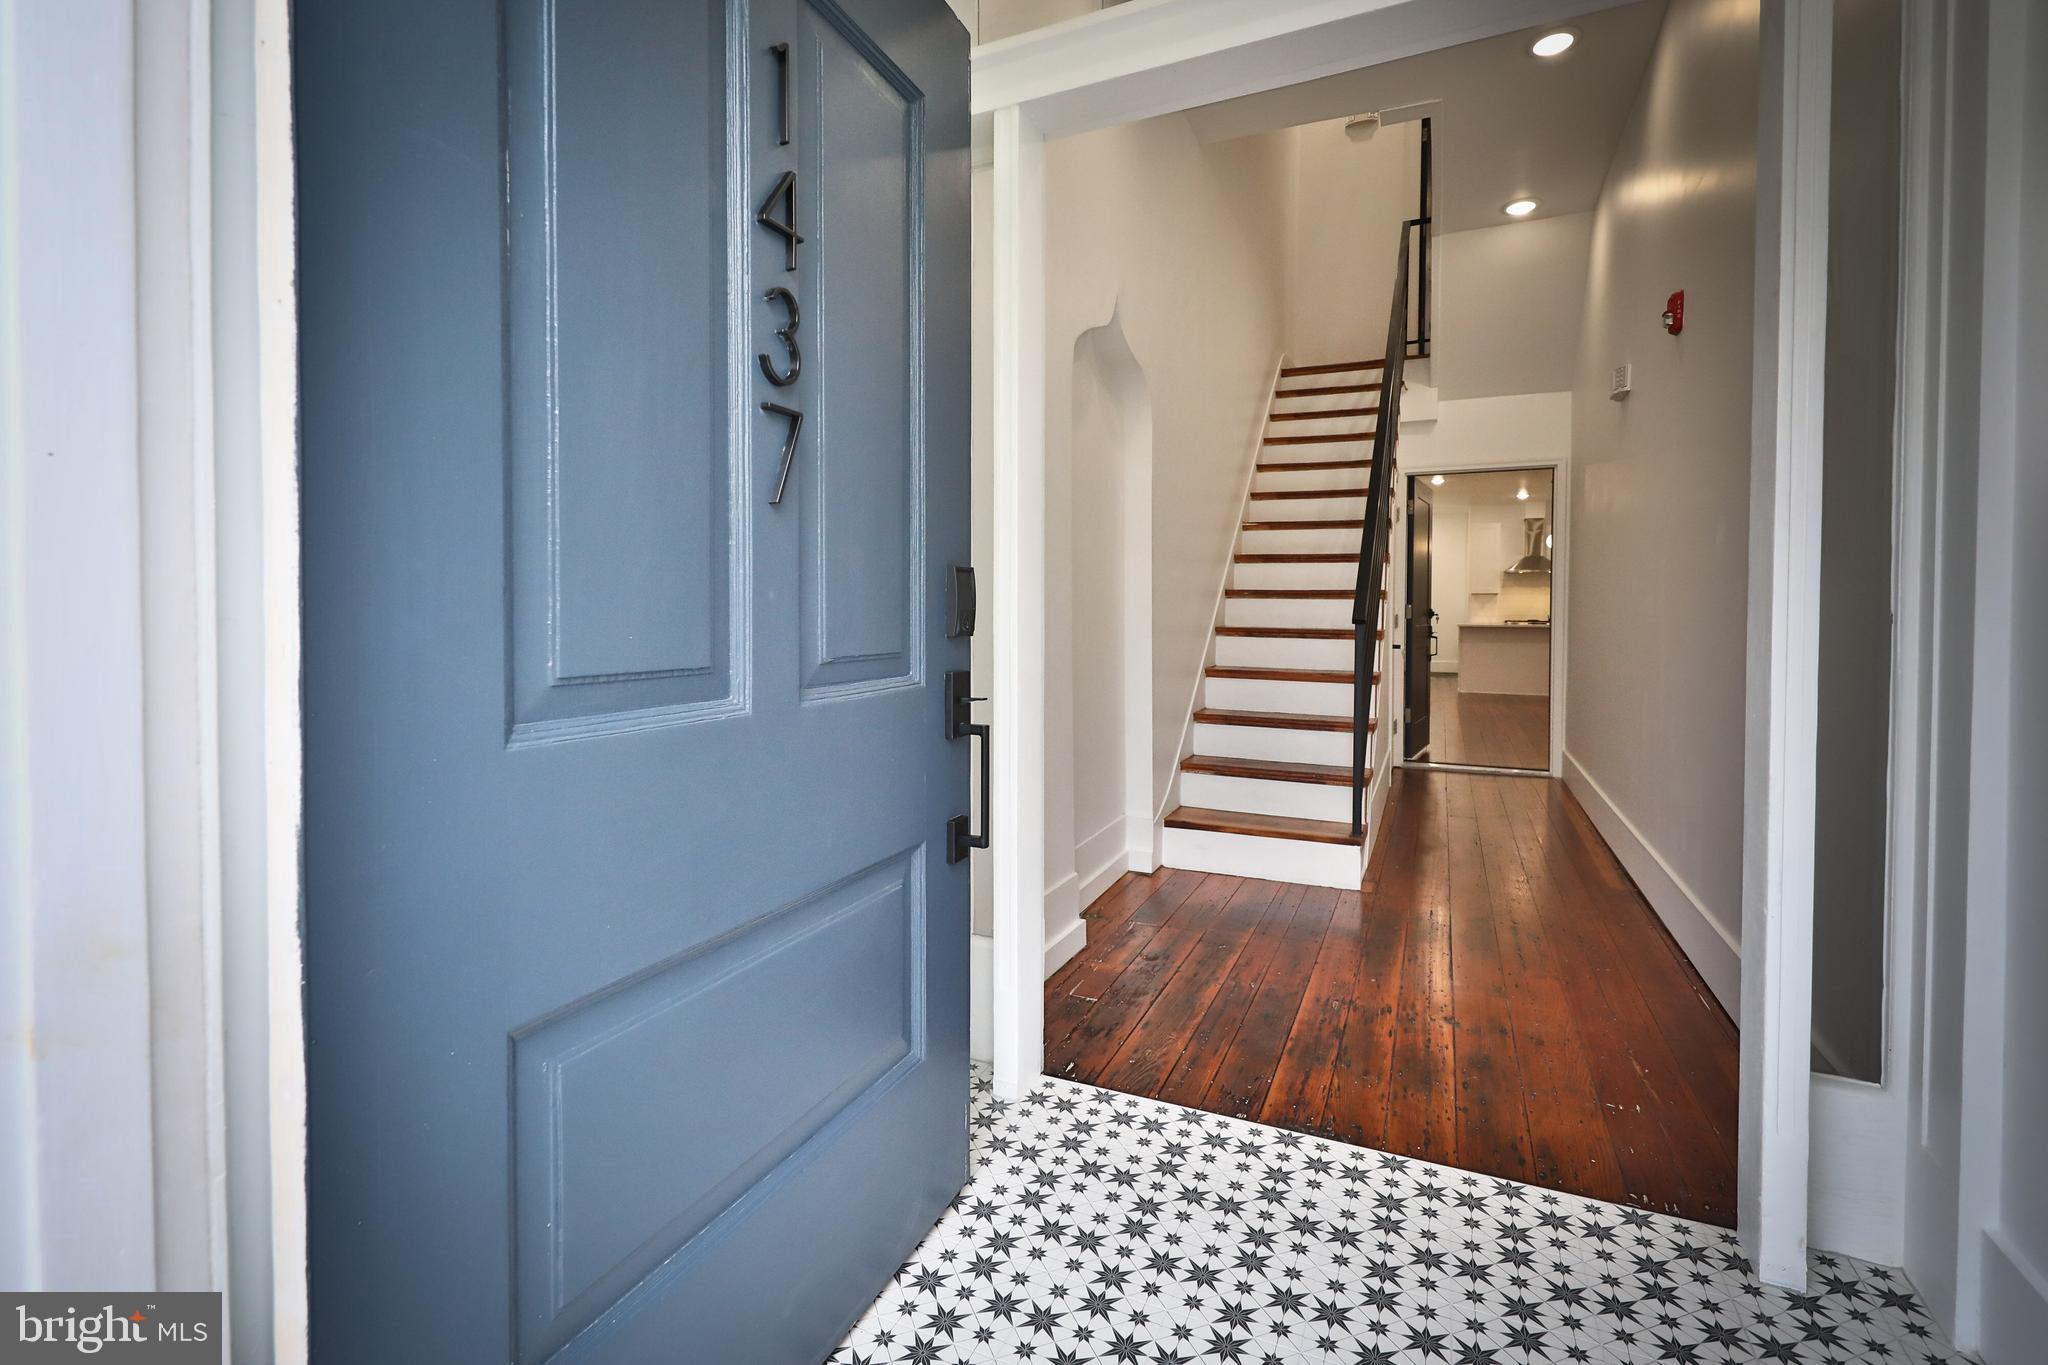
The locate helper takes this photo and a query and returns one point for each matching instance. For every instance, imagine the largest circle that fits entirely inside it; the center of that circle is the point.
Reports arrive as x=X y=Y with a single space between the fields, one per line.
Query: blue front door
x=634 y=429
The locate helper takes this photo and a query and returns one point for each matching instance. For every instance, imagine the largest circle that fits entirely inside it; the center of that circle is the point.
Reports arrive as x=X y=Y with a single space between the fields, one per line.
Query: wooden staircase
x=1267 y=789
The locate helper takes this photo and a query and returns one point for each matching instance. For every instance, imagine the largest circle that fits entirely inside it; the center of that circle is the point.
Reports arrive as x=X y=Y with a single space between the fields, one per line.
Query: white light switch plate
x=1623 y=375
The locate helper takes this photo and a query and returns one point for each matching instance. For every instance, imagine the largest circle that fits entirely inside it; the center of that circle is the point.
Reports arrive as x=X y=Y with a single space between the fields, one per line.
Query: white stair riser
x=1323 y=426
x=1279 y=746
x=1259 y=796
x=1272 y=694
x=1305 y=509
x=1321 y=612
x=1336 y=574
x=1317 y=453
x=1301 y=540
x=1288 y=480
x=1241 y=651
x=1280 y=860
x=1355 y=374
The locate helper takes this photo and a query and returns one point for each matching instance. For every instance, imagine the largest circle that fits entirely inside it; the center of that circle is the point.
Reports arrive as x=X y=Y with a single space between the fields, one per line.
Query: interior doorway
x=1478 y=667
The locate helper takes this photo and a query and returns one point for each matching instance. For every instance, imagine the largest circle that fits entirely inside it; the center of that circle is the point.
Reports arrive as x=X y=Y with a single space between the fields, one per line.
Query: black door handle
x=960 y=724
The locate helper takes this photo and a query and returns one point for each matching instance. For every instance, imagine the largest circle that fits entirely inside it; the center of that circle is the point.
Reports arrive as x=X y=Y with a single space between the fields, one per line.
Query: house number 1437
x=778 y=214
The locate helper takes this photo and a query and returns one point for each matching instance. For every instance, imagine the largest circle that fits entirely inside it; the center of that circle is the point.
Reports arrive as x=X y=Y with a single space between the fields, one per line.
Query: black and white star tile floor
x=1099 y=1227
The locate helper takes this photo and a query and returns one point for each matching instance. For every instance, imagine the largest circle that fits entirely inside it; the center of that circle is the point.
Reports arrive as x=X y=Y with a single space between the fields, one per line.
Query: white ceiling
x=1509 y=123
x=1492 y=486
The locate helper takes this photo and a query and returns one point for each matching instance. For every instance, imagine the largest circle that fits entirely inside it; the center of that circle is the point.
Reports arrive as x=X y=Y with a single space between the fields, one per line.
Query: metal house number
x=778 y=214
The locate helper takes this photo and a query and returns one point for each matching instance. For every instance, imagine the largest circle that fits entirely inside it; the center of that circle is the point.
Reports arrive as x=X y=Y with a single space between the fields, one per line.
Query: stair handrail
x=1373 y=540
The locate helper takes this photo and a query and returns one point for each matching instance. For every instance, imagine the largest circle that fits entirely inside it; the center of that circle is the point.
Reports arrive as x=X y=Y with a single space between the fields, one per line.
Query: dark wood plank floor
x=1498 y=997
x=1492 y=730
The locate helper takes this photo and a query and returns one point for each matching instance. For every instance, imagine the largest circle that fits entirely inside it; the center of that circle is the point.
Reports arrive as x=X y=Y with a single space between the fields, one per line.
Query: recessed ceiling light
x=1437 y=479
x=1555 y=43
x=1519 y=208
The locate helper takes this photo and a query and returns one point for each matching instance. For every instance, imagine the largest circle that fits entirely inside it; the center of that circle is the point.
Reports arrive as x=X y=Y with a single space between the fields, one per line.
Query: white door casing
x=1140 y=61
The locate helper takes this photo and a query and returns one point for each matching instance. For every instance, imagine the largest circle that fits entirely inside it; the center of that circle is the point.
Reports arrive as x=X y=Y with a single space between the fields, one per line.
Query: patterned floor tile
x=1100 y=1227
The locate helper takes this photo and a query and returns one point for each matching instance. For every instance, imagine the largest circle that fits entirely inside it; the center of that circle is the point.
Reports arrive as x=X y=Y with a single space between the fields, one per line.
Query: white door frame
x=1560 y=467
x=1153 y=57
x=1783 y=689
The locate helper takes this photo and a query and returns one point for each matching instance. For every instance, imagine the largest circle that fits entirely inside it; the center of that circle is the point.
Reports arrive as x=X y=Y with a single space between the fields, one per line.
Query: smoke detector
x=1361 y=127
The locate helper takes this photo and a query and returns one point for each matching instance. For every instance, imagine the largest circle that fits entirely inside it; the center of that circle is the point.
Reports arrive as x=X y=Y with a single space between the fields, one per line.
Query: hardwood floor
x=1498 y=997
x=1489 y=729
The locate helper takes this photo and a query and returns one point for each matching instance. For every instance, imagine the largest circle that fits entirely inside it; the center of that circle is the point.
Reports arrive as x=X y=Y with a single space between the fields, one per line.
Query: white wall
x=993 y=20
x=1450 y=587
x=2016 y=1289
x=1504 y=356
x=1980 y=1234
x=1348 y=202
x=1135 y=214
x=112 y=1092
x=1509 y=302
x=76 y=1178
x=1099 y=629
x=1660 y=485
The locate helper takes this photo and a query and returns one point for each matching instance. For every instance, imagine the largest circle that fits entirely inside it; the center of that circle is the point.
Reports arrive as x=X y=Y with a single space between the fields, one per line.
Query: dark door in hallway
x=636 y=994
x=1498 y=998
x=1421 y=619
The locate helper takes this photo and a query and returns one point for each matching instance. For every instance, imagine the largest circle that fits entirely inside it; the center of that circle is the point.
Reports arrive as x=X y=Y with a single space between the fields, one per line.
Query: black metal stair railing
x=1373 y=540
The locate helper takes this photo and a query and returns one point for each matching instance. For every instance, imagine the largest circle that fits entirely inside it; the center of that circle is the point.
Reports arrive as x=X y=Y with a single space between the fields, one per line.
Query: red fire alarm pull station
x=1674 y=313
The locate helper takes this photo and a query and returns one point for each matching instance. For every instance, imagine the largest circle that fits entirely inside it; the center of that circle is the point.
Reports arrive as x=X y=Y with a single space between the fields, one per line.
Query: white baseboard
x=981 y=997
x=1142 y=855
x=1066 y=933
x=1063 y=944
x=1855 y=1172
x=1065 y=930
x=2015 y=1305
x=1104 y=856
x=1376 y=801
x=1713 y=950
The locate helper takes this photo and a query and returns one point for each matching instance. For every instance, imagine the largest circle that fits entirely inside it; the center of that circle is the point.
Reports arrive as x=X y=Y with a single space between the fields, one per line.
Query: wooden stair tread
x=1297 y=594
x=1296 y=632
x=1320 y=414
x=1323 y=439
x=1261 y=826
x=1296 y=559
x=1337 y=367
x=1270 y=770
x=1272 y=466
x=1312 y=675
x=1276 y=720
x=1325 y=390
x=1311 y=493
x=1293 y=632
x=1356 y=524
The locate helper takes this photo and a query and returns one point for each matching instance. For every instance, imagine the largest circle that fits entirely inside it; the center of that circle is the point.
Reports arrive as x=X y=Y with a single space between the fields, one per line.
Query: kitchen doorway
x=1477 y=625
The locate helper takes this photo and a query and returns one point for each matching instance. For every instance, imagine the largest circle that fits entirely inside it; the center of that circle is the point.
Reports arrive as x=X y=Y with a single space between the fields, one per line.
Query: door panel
x=636 y=975
x=859 y=259
x=621 y=462
x=1420 y=629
